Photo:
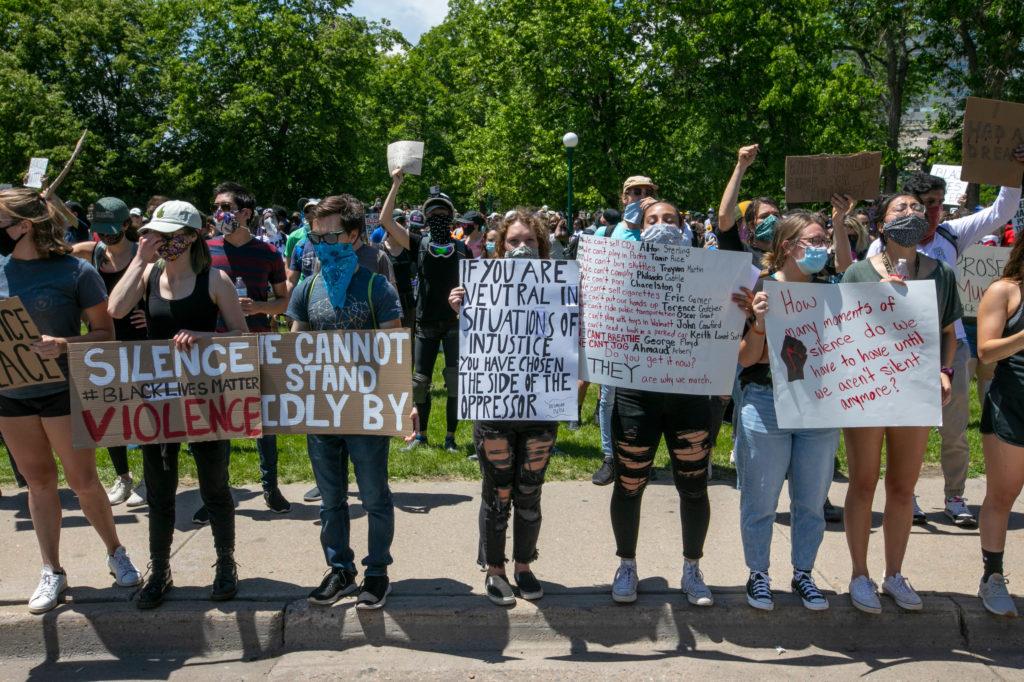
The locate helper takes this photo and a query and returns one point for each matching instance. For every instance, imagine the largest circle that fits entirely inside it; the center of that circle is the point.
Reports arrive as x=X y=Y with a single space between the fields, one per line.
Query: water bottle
x=240 y=288
x=902 y=271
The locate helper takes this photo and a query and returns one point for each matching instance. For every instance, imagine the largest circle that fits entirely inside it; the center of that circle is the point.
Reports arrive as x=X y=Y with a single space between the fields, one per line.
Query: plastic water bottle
x=901 y=269
x=240 y=288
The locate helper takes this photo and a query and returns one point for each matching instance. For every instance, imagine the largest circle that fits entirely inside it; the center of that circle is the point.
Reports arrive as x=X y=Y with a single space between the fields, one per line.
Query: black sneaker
x=335 y=585
x=529 y=587
x=759 y=591
x=803 y=585
x=225 y=579
x=202 y=516
x=450 y=445
x=156 y=588
x=833 y=514
x=604 y=475
x=312 y=496
x=374 y=592
x=276 y=502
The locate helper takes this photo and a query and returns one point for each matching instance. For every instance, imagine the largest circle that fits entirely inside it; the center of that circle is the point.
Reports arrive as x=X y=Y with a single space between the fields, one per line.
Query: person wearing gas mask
x=768 y=454
x=256 y=269
x=513 y=455
x=117 y=242
x=759 y=219
x=437 y=325
x=903 y=226
x=946 y=241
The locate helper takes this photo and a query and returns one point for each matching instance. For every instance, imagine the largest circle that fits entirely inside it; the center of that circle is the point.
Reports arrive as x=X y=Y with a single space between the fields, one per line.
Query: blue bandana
x=338 y=263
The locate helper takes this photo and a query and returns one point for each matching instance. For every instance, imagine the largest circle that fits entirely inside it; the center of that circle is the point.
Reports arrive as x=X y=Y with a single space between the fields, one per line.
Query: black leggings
x=513 y=459
x=426 y=345
x=160 y=469
x=119 y=458
x=639 y=420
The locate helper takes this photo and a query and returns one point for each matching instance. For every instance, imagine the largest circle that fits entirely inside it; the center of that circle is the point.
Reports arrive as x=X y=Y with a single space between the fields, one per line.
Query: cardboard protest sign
x=406 y=155
x=19 y=365
x=955 y=187
x=337 y=382
x=1018 y=218
x=519 y=334
x=854 y=354
x=977 y=268
x=817 y=178
x=992 y=129
x=36 y=170
x=660 y=318
x=150 y=392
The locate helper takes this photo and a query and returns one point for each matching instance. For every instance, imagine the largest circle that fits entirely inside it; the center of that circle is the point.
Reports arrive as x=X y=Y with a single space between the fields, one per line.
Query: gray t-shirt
x=311 y=305
x=54 y=291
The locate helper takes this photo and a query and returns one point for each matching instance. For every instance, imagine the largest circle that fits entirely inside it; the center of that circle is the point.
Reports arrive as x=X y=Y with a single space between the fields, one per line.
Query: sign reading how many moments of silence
x=854 y=354
x=661 y=318
x=19 y=364
x=519 y=337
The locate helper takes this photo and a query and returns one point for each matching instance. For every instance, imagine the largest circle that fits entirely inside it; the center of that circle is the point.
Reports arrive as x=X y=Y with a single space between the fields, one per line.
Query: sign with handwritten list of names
x=849 y=355
x=519 y=332
x=660 y=318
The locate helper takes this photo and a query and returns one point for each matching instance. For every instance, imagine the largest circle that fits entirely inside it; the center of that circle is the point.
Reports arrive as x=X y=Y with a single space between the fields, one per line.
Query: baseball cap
x=638 y=181
x=136 y=212
x=439 y=200
x=472 y=217
x=107 y=215
x=309 y=202
x=171 y=216
x=416 y=218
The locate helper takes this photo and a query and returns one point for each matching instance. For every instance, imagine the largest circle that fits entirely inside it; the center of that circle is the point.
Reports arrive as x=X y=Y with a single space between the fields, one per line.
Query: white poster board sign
x=976 y=269
x=660 y=318
x=519 y=338
x=955 y=187
x=36 y=171
x=854 y=354
x=406 y=155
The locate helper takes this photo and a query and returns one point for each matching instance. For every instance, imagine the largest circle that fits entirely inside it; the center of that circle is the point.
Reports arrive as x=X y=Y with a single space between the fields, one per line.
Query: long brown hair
x=521 y=215
x=1014 y=268
x=788 y=229
x=48 y=226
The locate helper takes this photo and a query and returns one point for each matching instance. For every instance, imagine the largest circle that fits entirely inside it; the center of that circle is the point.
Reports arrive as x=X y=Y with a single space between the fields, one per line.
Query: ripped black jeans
x=513 y=458
x=639 y=419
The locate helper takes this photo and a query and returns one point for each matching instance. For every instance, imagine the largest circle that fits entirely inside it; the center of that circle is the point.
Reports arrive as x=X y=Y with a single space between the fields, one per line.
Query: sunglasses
x=229 y=208
x=326 y=238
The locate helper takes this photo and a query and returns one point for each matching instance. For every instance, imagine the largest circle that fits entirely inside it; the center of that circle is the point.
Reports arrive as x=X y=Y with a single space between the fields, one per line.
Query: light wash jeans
x=770 y=455
x=604 y=419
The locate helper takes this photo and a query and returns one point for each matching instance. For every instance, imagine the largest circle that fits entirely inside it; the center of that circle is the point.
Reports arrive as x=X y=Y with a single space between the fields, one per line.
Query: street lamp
x=570 y=140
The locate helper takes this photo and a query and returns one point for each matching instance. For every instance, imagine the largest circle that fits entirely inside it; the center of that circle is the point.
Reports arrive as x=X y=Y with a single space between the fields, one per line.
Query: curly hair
x=48 y=223
x=521 y=215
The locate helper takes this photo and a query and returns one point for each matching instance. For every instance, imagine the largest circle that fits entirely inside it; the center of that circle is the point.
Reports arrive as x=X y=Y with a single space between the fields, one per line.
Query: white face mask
x=663 y=233
x=522 y=251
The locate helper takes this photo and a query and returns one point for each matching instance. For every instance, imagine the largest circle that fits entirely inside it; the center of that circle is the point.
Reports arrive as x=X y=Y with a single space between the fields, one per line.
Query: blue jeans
x=604 y=419
x=369 y=454
x=266 y=447
x=769 y=456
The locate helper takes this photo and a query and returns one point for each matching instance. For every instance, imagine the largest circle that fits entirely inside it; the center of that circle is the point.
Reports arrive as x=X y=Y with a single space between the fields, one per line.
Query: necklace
x=890 y=270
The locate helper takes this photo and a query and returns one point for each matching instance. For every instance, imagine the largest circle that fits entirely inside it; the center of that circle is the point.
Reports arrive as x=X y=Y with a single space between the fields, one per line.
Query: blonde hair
x=48 y=224
x=855 y=226
x=788 y=229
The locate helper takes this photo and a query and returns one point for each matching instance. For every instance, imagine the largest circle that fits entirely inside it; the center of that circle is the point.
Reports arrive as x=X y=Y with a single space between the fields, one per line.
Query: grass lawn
x=579 y=452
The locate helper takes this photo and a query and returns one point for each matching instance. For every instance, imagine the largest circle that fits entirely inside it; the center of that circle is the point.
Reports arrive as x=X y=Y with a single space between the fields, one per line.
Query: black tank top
x=124 y=330
x=195 y=312
x=1013 y=367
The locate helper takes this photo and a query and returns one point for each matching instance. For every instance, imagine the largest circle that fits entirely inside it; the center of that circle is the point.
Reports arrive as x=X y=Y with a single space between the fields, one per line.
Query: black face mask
x=468 y=229
x=7 y=242
x=112 y=239
x=440 y=227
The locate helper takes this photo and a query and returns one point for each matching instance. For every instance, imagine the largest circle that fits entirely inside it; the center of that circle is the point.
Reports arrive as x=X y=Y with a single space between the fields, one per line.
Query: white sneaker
x=898 y=587
x=120 y=491
x=957 y=511
x=138 y=496
x=625 y=583
x=47 y=594
x=124 y=571
x=864 y=594
x=697 y=593
x=996 y=597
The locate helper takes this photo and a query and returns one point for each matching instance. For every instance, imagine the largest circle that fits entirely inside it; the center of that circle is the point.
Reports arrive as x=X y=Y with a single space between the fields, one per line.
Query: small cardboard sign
x=150 y=392
x=407 y=155
x=976 y=269
x=19 y=365
x=817 y=178
x=342 y=382
x=36 y=170
x=992 y=129
x=955 y=187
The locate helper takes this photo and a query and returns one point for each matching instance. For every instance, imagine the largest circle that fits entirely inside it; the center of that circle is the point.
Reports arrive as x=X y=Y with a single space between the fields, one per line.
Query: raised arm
x=132 y=285
x=727 y=207
x=395 y=231
x=841 y=207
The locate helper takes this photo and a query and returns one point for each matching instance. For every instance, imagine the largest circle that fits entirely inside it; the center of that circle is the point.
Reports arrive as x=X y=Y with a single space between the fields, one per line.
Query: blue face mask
x=338 y=263
x=765 y=231
x=489 y=246
x=815 y=258
x=631 y=214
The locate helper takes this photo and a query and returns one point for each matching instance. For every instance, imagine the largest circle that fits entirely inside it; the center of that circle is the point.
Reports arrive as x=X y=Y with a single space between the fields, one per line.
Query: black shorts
x=1003 y=411
x=53 y=405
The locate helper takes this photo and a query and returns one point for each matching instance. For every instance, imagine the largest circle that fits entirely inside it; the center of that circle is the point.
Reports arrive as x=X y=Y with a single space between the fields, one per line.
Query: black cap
x=612 y=216
x=473 y=217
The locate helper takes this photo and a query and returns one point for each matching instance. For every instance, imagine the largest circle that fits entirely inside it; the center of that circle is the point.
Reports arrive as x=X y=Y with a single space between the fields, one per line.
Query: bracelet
x=948 y=371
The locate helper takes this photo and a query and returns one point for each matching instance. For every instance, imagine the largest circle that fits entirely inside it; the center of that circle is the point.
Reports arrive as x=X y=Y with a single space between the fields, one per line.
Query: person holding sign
x=904 y=225
x=767 y=454
x=1001 y=340
x=183 y=298
x=513 y=455
x=58 y=291
x=346 y=295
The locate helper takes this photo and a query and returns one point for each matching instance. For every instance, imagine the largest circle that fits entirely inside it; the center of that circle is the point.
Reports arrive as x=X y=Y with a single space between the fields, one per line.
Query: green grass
x=579 y=452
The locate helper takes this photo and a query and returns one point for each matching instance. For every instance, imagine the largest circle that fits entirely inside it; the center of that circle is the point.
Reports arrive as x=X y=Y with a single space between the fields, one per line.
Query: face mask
x=440 y=227
x=338 y=263
x=226 y=222
x=663 y=233
x=522 y=251
x=7 y=242
x=270 y=226
x=468 y=229
x=765 y=231
x=631 y=214
x=171 y=249
x=490 y=247
x=112 y=239
x=815 y=258
x=906 y=230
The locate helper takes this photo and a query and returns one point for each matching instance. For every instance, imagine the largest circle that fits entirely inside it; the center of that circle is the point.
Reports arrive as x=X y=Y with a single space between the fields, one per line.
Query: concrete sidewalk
x=438 y=603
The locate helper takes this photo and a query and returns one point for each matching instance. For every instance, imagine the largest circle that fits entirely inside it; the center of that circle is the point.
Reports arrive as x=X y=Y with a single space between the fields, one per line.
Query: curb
x=255 y=629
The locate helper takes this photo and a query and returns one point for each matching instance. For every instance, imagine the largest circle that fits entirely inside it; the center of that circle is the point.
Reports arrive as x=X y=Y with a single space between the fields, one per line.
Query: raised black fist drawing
x=794 y=355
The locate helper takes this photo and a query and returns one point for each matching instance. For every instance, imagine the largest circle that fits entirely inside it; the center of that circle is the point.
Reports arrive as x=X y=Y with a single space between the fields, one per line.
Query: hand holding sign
x=407 y=156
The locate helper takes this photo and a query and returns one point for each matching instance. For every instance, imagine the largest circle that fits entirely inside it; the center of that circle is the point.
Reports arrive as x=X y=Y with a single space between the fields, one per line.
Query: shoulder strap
x=948 y=236
x=98 y=252
x=369 y=299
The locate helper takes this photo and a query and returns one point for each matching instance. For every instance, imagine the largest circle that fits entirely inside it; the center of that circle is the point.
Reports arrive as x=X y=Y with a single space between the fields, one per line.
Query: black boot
x=225 y=581
x=157 y=586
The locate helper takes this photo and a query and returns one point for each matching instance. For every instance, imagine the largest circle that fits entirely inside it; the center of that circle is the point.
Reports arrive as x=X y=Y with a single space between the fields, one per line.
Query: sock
x=993 y=563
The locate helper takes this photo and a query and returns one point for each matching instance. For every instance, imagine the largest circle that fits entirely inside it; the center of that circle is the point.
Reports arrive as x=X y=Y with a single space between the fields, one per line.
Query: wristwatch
x=948 y=371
